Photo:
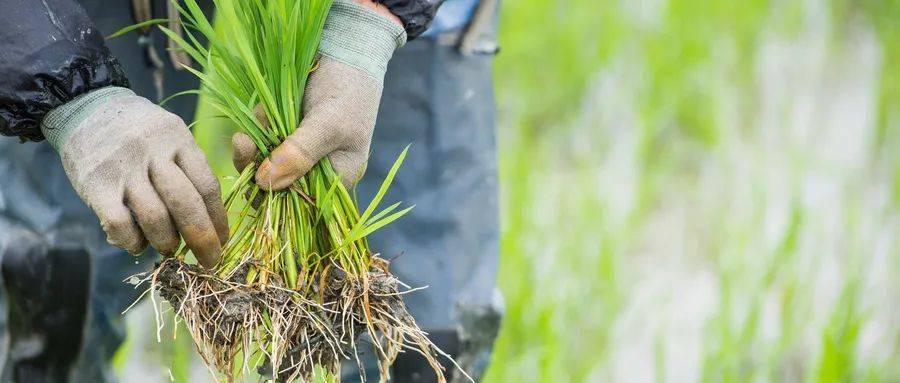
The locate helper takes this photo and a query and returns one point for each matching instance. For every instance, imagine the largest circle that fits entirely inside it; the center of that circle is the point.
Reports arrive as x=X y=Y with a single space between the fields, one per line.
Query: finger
x=188 y=210
x=121 y=230
x=243 y=151
x=349 y=165
x=193 y=163
x=259 y=111
x=297 y=154
x=153 y=217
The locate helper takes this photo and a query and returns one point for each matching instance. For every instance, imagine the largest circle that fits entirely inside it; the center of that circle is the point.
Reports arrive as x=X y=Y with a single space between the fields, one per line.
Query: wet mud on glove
x=138 y=168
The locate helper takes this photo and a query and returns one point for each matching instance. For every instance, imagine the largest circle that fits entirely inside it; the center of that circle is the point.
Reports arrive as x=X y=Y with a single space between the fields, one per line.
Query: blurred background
x=693 y=190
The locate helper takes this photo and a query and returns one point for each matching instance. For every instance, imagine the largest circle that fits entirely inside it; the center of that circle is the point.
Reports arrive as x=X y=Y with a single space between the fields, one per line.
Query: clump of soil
x=284 y=335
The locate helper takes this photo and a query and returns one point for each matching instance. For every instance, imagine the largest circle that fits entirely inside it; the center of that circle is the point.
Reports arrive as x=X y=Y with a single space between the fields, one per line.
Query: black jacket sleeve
x=50 y=52
x=415 y=14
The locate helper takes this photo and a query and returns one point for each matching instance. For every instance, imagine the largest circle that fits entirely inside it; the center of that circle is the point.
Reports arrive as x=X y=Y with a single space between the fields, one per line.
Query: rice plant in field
x=733 y=223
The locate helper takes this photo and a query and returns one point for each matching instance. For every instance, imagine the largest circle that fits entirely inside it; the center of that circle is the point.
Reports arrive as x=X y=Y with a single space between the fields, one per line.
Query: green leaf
x=369 y=229
x=384 y=185
x=131 y=28
x=190 y=49
x=179 y=94
x=383 y=213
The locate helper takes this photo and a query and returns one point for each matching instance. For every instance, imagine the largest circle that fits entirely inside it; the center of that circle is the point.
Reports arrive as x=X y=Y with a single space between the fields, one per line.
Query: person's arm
x=50 y=53
x=135 y=164
x=343 y=94
x=415 y=15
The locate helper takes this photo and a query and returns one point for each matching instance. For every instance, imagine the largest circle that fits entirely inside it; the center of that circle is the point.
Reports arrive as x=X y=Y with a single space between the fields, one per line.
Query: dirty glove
x=340 y=103
x=137 y=166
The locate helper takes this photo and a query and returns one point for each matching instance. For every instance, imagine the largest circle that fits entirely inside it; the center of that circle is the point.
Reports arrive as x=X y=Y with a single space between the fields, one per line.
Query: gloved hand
x=137 y=166
x=340 y=103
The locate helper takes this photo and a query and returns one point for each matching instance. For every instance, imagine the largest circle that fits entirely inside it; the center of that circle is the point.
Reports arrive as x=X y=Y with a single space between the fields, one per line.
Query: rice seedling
x=297 y=283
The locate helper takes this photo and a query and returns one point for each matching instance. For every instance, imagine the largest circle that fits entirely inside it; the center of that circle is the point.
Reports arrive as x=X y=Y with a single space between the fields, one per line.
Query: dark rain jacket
x=51 y=52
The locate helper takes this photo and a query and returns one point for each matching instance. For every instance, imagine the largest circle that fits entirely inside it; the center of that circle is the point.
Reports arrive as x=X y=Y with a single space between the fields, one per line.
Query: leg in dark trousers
x=46 y=296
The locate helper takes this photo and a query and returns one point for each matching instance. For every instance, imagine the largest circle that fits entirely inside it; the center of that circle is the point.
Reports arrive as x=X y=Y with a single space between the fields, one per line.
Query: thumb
x=243 y=151
x=297 y=154
x=242 y=146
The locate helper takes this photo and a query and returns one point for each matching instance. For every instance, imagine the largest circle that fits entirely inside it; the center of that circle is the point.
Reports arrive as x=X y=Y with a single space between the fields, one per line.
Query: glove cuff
x=61 y=122
x=361 y=38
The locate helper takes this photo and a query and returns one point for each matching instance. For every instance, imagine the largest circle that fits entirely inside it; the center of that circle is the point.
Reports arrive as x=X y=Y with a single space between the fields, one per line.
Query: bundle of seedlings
x=297 y=283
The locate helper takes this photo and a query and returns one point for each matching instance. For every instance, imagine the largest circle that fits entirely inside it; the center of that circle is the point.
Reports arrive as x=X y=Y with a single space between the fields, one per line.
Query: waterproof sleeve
x=50 y=52
x=416 y=15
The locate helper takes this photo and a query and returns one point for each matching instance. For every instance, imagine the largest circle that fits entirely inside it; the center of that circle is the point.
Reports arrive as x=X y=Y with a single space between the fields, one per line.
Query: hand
x=339 y=110
x=341 y=101
x=138 y=167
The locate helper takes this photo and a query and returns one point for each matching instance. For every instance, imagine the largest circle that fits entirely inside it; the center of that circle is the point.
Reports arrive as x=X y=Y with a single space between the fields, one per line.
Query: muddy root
x=277 y=332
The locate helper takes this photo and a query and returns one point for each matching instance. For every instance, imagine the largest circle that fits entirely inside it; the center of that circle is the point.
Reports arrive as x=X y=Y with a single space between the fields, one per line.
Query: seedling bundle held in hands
x=297 y=283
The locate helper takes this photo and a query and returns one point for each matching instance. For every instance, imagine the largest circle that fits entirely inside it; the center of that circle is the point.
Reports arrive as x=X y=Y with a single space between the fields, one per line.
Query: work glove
x=137 y=166
x=340 y=103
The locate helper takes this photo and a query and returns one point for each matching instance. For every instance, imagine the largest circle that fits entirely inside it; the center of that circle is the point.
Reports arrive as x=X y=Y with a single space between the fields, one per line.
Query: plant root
x=285 y=335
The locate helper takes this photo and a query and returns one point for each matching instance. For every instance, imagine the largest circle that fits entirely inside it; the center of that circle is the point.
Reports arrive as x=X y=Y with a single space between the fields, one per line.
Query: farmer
x=108 y=165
